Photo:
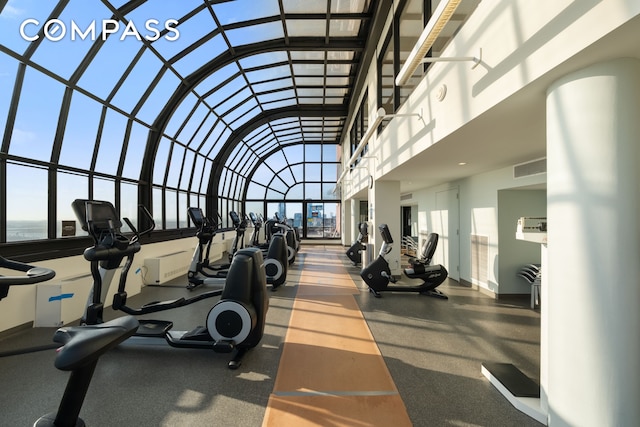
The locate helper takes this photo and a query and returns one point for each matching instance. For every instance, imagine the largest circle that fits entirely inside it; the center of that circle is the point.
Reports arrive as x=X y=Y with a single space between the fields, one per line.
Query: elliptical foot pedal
x=153 y=328
x=375 y=293
x=224 y=346
x=237 y=360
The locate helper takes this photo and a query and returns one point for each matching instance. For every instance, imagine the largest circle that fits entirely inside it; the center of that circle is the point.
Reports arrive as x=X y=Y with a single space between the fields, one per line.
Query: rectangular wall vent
x=406 y=196
x=534 y=167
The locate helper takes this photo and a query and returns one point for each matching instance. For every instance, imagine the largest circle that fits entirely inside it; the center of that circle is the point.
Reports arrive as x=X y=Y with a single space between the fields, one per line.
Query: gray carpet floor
x=433 y=348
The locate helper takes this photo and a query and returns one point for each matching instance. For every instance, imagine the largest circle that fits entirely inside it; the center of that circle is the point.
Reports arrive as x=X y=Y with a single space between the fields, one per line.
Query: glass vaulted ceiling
x=171 y=104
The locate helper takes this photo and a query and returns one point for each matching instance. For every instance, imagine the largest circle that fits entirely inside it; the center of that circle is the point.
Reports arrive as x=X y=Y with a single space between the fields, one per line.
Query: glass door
x=322 y=220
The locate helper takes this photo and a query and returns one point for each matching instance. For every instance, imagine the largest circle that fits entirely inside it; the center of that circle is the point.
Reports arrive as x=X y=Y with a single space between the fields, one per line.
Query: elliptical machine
x=377 y=275
x=355 y=251
x=235 y=322
x=81 y=347
x=201 y=272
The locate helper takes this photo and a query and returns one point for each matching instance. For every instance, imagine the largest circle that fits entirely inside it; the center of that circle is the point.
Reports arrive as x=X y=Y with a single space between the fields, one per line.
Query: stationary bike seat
x=85 y=344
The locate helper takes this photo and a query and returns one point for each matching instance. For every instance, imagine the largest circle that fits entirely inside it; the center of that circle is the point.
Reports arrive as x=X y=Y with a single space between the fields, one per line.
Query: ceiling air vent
x=534 y=167
x=406 y=196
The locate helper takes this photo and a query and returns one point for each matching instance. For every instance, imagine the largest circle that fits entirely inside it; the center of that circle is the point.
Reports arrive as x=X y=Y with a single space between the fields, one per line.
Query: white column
x=384 y=202
x=593 y=210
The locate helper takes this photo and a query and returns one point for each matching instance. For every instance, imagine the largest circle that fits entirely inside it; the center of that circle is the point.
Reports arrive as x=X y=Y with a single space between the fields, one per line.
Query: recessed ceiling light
x=462 y=163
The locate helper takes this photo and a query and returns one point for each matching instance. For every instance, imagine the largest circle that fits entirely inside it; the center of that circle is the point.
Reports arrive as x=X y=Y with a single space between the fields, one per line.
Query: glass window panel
x=36 y=122
x=183 y=205
x=353 y=6
x=294 y=153
x=159 y=97
x=104 y=189
x=277 y=161
x=272 y=194
x=137 y=81
x=113 y=131
x=263 y=174
x=135 y=151
x=201 y=55
x=259 y=60
x=308 y=69
x=63 y=56
x=80 y=132
x=8 y=69
x=160 y=165
x=312 y=152
x=278 y=185
x=298 y=172
x=220 y=142
x=228 y=12
x=306 y=27
x=206 y=176
x=14 y=13
x=239 y=116
x=256 y=191
x=297 y=6
x=235 y=100
x=330 y=152
x=187 y=169
x=129 y=203
x=180 y=114
x=338 y=69
x=337 y=81
x=296 y=192
x=266 y=86
x=312 y=172
x=175 y=166
x=171 y=209
x=307 y=55
x=203 y=132
x=337 y=92
x=274 y=96
x=217 y=78
x=191 y=30
x=249 y=165
x=343 y=55
x=70 y=187
x=197 y=174
x=280 y=104
x=192 y=125
x=286 y=176
x=269 y=73
x=329 y=171
x=216 y=133
x=27 y=203
x=329 y=193
x=344 y=27
x=223 y=186
x=255 y=207
x=157 y=208
x=313 y=191
x=310 y=81
x=108 y=66
x=302 y=92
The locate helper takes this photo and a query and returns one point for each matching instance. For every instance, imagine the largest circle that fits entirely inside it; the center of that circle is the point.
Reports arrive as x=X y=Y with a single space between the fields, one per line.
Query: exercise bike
x=235 y=322
x=377 y=275
x=81 y=347
x=354 y=253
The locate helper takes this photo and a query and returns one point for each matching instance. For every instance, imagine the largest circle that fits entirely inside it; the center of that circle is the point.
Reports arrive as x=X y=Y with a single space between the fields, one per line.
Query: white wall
x=513 y=253
x=479 y=214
